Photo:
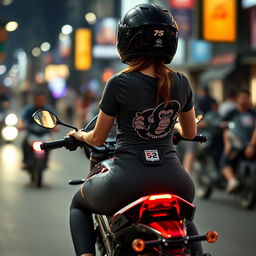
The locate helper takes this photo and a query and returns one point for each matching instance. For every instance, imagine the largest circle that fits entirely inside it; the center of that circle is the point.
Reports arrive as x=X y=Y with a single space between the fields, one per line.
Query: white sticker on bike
x=151 y=155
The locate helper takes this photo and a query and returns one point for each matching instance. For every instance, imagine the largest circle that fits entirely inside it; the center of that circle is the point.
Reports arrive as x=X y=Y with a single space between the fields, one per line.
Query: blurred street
x=35 y=221
x=59 y=55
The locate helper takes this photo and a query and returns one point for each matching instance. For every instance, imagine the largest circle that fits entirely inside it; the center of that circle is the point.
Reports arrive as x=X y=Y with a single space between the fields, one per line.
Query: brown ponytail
x=162 y=72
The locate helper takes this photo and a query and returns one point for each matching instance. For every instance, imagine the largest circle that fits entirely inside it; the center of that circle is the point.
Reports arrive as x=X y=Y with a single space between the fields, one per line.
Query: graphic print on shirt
x=156 y=123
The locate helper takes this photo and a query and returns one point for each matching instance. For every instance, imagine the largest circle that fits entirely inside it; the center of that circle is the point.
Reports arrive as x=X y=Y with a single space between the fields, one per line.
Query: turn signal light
x=138 y=245
x=212 y=236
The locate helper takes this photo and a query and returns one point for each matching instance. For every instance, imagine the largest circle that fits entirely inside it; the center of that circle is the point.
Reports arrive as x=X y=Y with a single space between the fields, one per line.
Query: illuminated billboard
x=105 y=39
x=220 y=20
x=83 y=49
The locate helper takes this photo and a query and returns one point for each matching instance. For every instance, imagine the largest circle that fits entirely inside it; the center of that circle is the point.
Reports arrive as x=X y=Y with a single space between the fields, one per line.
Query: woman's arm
x=187 y=127
x=99 y=134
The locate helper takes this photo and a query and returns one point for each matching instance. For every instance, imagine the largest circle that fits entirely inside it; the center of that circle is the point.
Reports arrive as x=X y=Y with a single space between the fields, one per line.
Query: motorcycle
x=36 y=158
x=8 y=129
x=151 y=225
x=207 y=165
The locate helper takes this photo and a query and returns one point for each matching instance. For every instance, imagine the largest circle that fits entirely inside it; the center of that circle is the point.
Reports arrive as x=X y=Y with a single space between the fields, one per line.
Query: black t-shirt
x=141 y=123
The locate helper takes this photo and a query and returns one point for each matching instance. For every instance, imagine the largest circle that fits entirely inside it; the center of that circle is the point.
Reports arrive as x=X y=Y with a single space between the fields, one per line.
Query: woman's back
x=142 y=122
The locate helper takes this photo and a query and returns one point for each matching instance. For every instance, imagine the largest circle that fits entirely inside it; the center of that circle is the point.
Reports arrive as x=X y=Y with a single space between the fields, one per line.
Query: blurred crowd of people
x=218 y=119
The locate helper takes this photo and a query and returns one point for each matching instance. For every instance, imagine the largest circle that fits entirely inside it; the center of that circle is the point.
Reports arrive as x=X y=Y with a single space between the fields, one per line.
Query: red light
x=162 y=196
x=36 y=146
x=157 y=204
x=170 y=228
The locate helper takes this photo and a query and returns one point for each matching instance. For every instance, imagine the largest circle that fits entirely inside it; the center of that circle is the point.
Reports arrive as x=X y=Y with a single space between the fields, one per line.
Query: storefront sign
x=248 y=3
x=224 y=59
x=200 y=51
x=184 y=19
x=219 y=20
x=182 y=4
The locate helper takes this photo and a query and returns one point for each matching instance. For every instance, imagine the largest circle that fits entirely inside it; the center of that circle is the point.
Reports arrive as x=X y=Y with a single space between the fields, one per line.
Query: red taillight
x=160 y=205
x=36 y=146
x=161 y=196
x=170 y=228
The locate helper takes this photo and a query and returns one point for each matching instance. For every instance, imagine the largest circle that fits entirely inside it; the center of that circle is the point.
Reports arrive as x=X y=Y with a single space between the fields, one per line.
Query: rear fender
x=153 y=208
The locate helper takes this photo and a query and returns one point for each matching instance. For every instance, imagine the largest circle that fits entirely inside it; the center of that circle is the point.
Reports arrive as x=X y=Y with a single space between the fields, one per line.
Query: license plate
x=151 y=155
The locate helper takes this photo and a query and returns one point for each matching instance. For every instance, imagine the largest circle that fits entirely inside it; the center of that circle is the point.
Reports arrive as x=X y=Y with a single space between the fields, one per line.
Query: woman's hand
x=79 y=135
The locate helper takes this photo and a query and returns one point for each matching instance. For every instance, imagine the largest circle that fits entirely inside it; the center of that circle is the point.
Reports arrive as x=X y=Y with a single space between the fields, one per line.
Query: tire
x=247 y=191
x=204 y=189
x=38 y=171
x=32 y=176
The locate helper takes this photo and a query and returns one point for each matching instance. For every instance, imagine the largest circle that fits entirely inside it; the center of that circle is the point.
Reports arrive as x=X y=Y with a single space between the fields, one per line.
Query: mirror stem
x=67 y=125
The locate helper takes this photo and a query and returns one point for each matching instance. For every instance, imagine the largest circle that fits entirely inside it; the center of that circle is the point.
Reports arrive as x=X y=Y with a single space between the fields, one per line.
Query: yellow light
x=212 y=236
x=138 y=245
x=45 y=47
x=83 y=59
x=11 y=119
x=7 y=2
x=36 y=52
x=67 y=29
x=9 y=133
x=11 y=26
x=253 y=90
x=91 y=18
x=53 y=71
x=219 y=20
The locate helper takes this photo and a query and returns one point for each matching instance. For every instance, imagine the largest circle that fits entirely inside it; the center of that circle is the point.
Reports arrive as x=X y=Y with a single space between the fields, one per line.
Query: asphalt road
x=35 y=221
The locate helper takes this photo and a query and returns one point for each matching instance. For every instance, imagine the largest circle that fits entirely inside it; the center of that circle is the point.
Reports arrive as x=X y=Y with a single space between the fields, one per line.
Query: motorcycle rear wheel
x=247 y=191
x=204 y=190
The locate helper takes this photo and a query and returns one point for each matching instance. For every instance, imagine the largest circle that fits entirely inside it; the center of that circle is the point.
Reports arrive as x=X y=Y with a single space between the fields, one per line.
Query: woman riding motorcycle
x=146 y=99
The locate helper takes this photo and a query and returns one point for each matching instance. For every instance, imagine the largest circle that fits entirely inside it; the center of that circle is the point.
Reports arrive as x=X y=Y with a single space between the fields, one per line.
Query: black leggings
x=128 y=180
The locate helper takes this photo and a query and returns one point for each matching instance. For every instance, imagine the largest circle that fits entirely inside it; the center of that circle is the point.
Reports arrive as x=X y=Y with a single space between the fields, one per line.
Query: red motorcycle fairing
x=165 y=213
x=101 y=167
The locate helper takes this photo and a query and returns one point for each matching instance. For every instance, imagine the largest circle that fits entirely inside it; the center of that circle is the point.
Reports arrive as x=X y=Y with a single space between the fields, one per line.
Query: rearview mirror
x=48 y=120
x=45 y=119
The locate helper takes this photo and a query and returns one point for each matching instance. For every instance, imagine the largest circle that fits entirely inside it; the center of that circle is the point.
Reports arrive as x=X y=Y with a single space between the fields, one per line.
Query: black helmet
x=147 y=30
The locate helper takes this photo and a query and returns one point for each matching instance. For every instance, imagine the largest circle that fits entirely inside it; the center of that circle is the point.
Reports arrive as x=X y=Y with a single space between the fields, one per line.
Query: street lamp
x=67 y=29
x=6 y=2
x=91 y=18
x=11 y=26
x=45 y=47
x=36 y=51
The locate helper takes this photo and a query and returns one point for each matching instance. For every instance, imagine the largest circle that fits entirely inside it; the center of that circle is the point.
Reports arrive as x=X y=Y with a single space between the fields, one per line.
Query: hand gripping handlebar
x=68 y=142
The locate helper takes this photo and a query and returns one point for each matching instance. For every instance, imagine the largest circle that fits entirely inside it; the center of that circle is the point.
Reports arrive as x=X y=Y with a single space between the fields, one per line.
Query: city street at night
x=173 y=86
x=36 y=221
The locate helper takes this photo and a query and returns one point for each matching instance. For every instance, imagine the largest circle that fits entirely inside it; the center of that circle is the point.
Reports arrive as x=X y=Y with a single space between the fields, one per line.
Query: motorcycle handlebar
x=198 y=138
x=68 y=142
x=71 y=143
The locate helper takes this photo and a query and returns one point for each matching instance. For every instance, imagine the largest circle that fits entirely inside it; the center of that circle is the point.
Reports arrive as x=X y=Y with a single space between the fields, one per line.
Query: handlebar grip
x=68 y=142
x=53 y=144
x=200 y=138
